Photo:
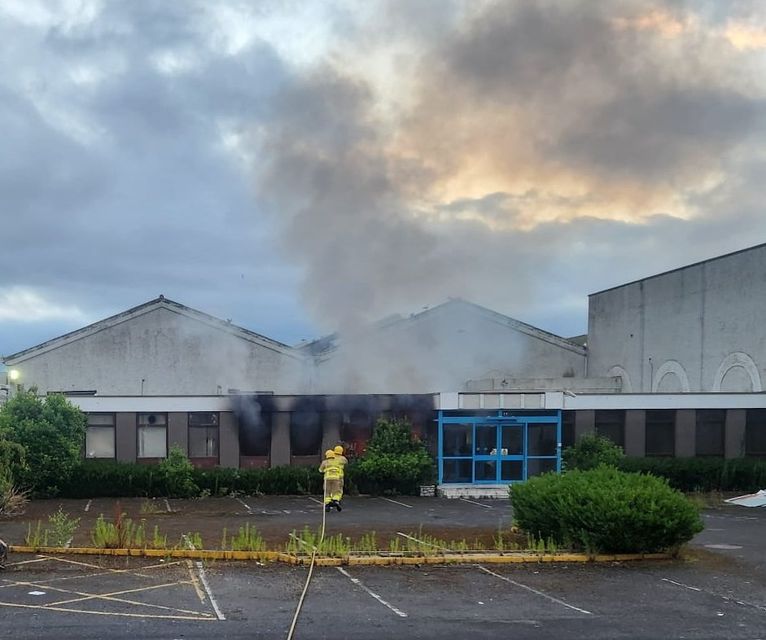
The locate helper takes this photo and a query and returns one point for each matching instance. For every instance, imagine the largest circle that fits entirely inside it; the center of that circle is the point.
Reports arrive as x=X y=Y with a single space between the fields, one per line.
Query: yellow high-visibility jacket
x=342 y=462
x=331 y=469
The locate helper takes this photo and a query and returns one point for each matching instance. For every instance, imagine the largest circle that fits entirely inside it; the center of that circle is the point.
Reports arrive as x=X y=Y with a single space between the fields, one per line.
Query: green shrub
x=51 y=431
x=591 y=451
x=703 y=474
x=394 y=463
x=109 y=479
x=177 y=475
x=605 y=510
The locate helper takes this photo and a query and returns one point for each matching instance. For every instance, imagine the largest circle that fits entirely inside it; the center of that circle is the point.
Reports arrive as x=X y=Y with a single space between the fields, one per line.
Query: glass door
x=512 y=448
x=485 y=453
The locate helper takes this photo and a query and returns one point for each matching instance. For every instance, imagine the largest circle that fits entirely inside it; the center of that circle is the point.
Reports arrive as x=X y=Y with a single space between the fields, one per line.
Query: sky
x=306 y=167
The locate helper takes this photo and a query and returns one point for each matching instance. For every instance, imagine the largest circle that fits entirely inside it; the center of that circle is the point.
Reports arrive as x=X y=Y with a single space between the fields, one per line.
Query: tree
x=395 y=461
x=592 y=451
x=51 y=432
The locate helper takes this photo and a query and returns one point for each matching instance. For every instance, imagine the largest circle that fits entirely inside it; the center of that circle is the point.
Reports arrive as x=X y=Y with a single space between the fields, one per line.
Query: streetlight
x=14 y=375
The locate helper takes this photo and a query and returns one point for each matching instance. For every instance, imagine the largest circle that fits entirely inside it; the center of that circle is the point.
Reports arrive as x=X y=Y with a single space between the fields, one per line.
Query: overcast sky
x=300 y=167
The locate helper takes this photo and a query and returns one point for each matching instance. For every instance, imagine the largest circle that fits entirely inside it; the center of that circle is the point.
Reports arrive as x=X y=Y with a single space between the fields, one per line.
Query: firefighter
x=333 y=483
x=342 y=462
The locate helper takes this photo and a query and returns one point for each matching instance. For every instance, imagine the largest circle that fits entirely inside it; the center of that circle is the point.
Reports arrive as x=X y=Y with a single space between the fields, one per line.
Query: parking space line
x=195 y=581
x=743 y=603
x=478 y=504
x=401 y=504
x=428 y=544
x=539 y=593
x=16 y=564
x=106 y=613
x=244 y=504
x=398 y=612
x=87 y=506
x=209 y=591
x=95 y=566
x=319 y=502
x=167 y=505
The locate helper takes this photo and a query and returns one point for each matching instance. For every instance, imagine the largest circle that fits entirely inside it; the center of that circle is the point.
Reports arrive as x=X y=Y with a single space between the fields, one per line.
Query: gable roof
x=327 y=344
x=158 y=303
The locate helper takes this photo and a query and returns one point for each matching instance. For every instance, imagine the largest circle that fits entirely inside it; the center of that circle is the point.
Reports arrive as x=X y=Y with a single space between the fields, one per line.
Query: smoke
x=516 y=115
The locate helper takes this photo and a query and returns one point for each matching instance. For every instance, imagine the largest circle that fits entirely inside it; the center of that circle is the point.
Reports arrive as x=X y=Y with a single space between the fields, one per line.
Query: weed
x=247 y=539
x=149 y=507
x=37 y=537
x=123 y=533
x=13 y=501
x=191 y=540
x=224 y=540
x=62 y=528
x=159 y=541
x=367 y=543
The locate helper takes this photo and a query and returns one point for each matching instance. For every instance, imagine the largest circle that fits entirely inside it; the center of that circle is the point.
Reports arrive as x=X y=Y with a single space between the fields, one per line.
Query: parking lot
x=718 y=590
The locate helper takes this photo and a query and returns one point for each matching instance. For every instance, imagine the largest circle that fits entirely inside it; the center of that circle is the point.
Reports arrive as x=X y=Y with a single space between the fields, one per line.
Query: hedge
x=605 y=510
x=703 y=474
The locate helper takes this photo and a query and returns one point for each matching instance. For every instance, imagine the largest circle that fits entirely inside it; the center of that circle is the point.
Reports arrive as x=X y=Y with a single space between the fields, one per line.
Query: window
x=99 y=436
x=567 y=429
x=710 y=432
x=152 y=435
x=203 y=434
x=660 y=432
x=305 y=433
x=356 y=431
x=611 y=424
x=755 y=432
x=255 y=434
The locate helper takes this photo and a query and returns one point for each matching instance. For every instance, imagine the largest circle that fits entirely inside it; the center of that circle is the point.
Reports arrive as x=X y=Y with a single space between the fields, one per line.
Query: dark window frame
x=660 y=419
x=102 y=426
x=140 y=426
x=755 y=418
x=706 y=417
x=216 y=422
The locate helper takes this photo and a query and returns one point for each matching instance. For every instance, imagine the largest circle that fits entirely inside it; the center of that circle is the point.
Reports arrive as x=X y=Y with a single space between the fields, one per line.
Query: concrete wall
x=172 y=353
x=700 y=328
x=443 y=349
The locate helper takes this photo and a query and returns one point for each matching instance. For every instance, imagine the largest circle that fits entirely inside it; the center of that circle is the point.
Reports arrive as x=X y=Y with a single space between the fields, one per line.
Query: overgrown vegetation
x=703 y=474
x=40 y=442
x=605 y=510
x=395 y=462
x=591 y=451
x=59 y=532
x=176 y=474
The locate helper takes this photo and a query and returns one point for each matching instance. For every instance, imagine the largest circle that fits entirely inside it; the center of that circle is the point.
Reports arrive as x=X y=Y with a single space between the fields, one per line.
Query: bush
x=177 y=475
x=51 y=431
x=605 y=510
x=703 y=474
x=592 y=451
x=109 y=479
x=394 y=463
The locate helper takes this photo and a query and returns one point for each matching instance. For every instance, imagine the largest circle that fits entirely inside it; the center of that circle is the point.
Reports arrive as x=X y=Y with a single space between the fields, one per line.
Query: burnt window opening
x=204 y=434
x=755 y=433
x=660 y=432
x=255 y=435
x=611 y=424
x=100 y=436
x=710 y=432
x=356 y=431
x=305 y=433
x=152 y=434
x=567 y=429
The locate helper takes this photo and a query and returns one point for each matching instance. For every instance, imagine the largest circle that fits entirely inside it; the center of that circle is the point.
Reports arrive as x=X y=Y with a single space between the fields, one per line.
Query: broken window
x=305 y=432
x=203 y=434
x=255 y=434
x=611 y=424
x=710 y=432
x=660 y=432
x=99 y=436
x=152 y=435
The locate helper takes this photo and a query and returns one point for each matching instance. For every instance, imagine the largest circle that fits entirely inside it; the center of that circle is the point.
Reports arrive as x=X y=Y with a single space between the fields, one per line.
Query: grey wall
x=700 y=328
x=174 y=355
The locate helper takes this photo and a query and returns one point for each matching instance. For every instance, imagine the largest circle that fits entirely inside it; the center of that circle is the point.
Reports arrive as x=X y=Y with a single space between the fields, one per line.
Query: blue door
x=498 y=449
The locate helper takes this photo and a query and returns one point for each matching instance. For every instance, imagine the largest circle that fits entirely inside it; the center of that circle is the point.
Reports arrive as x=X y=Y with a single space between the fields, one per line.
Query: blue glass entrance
x=497 y=447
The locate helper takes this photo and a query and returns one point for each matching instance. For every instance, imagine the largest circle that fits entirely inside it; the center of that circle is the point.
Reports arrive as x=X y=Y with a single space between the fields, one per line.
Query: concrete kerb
x=351 y=560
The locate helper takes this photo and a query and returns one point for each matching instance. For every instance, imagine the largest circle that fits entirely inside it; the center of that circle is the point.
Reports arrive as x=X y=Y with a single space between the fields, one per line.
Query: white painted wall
x=173 y=353
x=701 y=328
x=443 y=349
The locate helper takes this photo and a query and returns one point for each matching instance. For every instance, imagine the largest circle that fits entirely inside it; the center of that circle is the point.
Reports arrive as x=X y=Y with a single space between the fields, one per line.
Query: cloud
x=22 y=304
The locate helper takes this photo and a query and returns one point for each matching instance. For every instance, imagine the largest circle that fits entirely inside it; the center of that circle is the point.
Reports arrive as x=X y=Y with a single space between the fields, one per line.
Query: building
x=672 y=367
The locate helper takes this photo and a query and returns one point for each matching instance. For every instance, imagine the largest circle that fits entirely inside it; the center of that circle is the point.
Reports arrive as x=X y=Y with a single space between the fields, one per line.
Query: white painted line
x=428 y=544
x=317 y=501
x=539 y=593
x=398 y=612
x=743 y=603
x=87 y=505
x=37 y=593
x=401 y=504
x=16 y=564
x=167 y=506
x=478 y=504
x=203 y=580
x=244 y=504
